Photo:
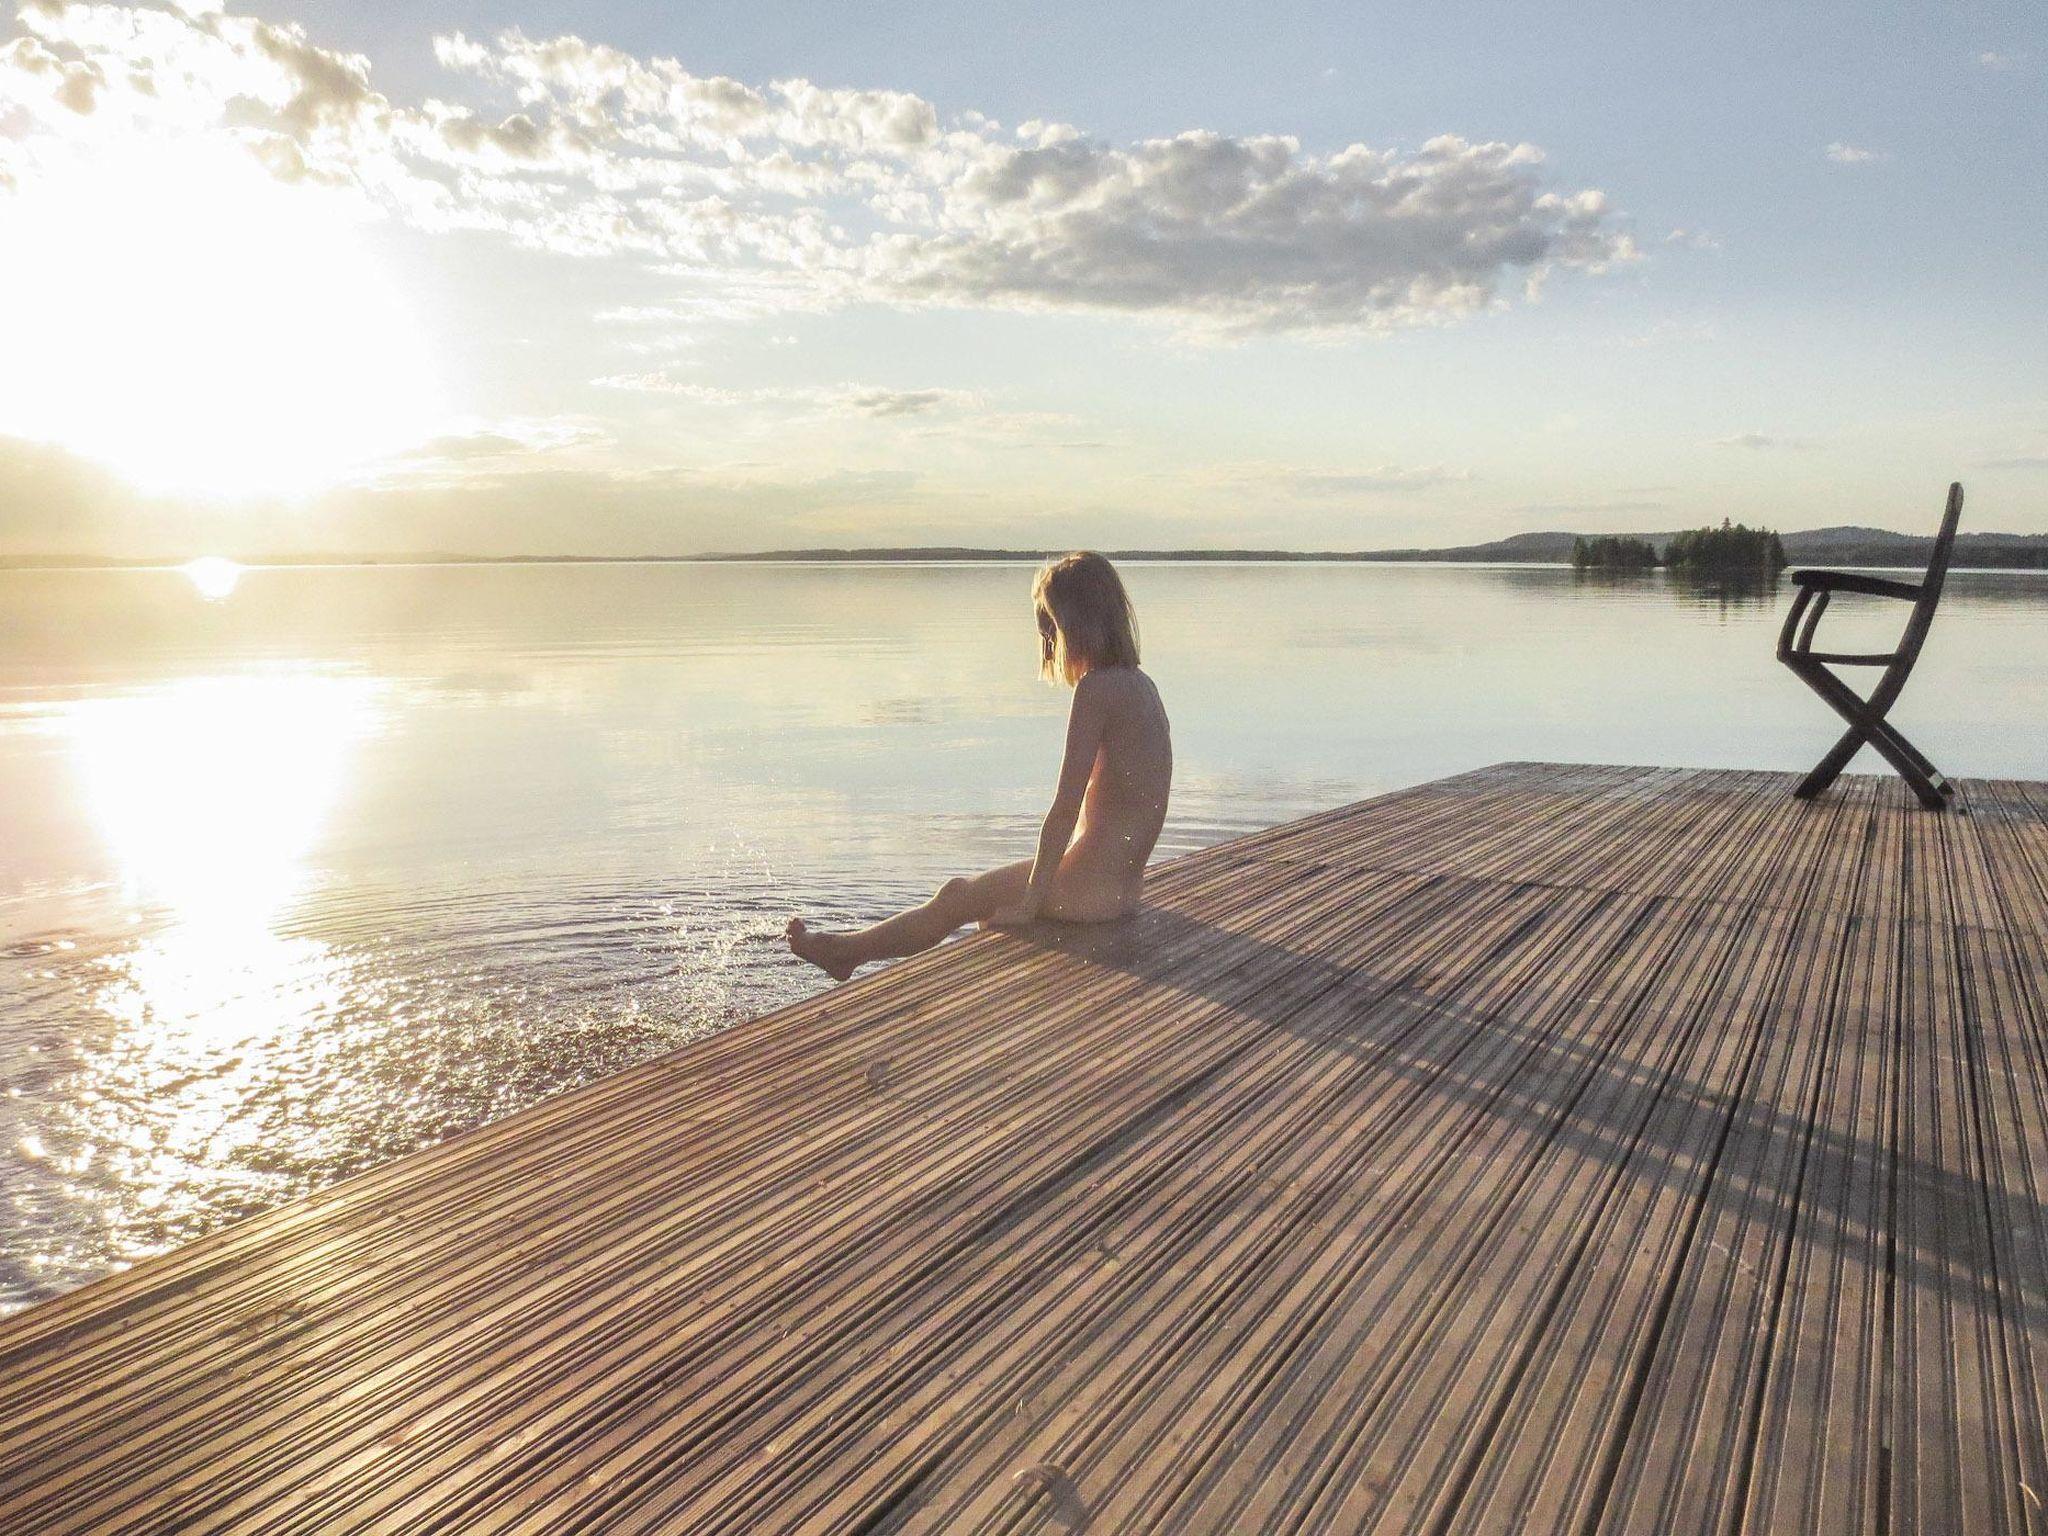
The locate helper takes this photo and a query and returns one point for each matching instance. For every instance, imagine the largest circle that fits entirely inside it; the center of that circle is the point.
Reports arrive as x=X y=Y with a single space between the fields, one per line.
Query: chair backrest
x=1930 y=588
x=1944 y=547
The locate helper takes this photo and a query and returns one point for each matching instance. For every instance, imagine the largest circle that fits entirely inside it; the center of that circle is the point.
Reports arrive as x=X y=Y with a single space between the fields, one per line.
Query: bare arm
x=1086 y=723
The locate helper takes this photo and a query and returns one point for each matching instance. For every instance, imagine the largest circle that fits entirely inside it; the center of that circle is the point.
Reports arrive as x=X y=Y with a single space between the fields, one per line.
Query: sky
x=504 y=277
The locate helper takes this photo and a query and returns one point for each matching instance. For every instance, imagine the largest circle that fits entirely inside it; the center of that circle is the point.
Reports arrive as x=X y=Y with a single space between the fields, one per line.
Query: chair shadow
x=1380 y=1017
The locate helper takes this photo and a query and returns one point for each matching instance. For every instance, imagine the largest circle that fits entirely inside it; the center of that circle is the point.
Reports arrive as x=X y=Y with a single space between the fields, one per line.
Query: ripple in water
x=301 y=870
x=160 y=1088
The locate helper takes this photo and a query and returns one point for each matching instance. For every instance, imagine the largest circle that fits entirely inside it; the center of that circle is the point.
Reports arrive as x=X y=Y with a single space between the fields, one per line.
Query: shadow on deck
x=1549 y=1148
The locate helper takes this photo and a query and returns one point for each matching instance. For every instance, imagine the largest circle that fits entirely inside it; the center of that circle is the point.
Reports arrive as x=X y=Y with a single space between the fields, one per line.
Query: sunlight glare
x=210 y=792
x=212 y=576
x=200 y=328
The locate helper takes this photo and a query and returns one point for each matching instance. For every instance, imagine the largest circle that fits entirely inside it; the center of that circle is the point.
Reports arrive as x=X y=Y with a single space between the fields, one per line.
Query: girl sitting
x=1106 y=813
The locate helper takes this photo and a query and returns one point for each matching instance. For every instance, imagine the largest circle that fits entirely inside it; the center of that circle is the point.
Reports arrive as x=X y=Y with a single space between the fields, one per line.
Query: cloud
x=849 y=399
x=659 y=381
x=1852 y=154
x=475 y=445
x=518 y=437
x=658 y=510
x=53 y=503
x=2017 y=461
x=30 y=72
x=1760 y=440
x=517 y=142
x=790 y=195
x=657 y=104
x=2000 y=61
x=646 y=314
x=330 y=91
x=307 y=113
x=1252 y=234
x=896 y=402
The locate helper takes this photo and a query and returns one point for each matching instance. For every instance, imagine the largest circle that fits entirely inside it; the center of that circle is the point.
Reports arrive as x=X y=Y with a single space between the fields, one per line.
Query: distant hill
x=1845 y=534
x=1538 y=548
x=1529 y=548
x=1845 y=545
x=1816 y=546
x=1877 y=546
x=1534 y=548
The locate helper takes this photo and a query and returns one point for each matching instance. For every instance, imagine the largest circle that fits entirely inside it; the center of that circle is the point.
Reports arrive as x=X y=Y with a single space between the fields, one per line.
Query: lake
x=307 y=869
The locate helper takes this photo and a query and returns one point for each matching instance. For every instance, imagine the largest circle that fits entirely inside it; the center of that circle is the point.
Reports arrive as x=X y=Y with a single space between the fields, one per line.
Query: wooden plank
x=1551 y=1147
x=203 y=1407
x=1814 y=1450
x=2001 y=916
x=1509 y=1214
x=1462 y=1028
x=1270 y=1023
x=1646 y=1157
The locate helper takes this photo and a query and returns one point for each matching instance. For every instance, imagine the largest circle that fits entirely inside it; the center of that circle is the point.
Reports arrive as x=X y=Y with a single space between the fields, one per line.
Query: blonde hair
x=1084 y=617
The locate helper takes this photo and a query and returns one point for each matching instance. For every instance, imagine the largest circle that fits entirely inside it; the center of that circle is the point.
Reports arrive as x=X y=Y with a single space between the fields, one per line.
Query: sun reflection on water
x=493 y=833
x=210 y=794
x=213 y=576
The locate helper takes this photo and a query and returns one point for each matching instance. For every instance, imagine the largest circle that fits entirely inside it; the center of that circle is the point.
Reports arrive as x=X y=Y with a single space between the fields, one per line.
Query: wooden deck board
x=1549 y=1148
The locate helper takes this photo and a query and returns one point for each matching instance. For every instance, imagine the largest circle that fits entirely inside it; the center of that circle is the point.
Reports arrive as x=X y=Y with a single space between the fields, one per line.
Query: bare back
x=1115 y=776
x=1132 y=776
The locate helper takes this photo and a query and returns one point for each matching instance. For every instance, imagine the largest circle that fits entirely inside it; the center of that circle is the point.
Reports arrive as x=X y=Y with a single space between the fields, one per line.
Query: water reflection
x=198 y=1103
x=213 y=577
x=208 y=795
x=1726 y=589
x=1719 y=590
x=300 y=879
x=209 y=792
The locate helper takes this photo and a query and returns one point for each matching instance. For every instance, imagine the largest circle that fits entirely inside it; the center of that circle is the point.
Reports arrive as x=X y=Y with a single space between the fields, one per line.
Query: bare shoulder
x=1116 y=689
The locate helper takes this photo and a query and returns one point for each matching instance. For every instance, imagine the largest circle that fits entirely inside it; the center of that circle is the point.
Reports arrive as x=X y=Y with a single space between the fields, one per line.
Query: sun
x=181 y=317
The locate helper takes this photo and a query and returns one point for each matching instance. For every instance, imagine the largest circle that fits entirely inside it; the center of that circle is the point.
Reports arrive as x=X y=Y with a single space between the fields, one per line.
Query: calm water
x=299 y=877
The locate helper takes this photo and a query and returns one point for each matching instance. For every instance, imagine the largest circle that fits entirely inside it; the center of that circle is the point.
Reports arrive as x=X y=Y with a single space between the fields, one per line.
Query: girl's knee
x=952 y=892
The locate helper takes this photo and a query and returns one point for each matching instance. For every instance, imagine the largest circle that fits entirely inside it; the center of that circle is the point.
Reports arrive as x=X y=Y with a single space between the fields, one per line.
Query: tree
x=1731 y=549
x=1611 y=552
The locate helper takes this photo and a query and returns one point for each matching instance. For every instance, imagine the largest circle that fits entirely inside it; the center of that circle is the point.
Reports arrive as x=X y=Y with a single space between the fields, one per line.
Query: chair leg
x=1829 y=768
x=1865 y=713
x=1869 y=725
x=1893 y=750
x=1919 y=758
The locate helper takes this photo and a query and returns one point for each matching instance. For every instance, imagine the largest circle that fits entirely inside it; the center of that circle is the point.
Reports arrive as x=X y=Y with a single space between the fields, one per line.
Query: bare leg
x=955 y=904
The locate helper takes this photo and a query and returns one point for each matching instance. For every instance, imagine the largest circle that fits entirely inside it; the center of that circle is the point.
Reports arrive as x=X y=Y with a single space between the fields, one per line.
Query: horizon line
x=1475 y=553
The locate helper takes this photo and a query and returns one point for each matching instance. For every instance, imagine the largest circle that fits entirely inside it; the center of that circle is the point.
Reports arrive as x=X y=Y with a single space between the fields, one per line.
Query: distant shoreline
x=787 y=557
x=1125 y=557
x=776 y=557
x=904 y=556
x=1859 y=547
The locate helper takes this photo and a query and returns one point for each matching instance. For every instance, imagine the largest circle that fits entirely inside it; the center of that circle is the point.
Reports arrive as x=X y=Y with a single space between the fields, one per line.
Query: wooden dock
x=1545 y=1149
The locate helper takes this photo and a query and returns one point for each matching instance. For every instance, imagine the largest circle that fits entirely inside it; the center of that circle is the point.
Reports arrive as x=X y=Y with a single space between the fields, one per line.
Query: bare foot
x=824 y=950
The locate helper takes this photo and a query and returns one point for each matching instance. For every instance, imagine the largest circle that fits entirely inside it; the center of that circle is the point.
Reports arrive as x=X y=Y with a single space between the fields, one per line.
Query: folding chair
x=1866 y=716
